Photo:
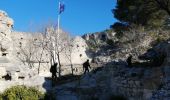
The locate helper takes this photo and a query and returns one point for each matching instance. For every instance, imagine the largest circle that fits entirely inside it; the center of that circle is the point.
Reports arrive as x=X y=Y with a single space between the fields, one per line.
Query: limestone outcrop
x=6 y=24
x=6 y=45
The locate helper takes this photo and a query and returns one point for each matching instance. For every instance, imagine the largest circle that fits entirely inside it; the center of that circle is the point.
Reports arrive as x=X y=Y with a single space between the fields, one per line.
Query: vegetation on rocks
x=22 y=93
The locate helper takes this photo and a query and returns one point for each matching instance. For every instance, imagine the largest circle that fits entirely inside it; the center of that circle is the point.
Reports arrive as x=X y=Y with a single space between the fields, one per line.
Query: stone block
x=14 y=76
x=2 y=71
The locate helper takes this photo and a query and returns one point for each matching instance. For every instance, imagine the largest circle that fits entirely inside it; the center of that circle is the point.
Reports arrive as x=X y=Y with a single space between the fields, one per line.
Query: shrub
x=119 y=28
x=92 y=44
x=159 y=36
x=158 y=40
x=110 y=42
x=21 y=93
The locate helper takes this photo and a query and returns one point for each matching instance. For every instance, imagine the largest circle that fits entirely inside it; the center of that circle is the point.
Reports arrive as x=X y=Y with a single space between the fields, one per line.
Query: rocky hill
x=135 y=42
x=148 y=79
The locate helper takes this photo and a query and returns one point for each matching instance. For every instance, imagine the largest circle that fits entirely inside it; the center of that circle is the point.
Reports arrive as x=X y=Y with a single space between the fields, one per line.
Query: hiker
x=129 y=61
x=86 y=66
x=53 y=70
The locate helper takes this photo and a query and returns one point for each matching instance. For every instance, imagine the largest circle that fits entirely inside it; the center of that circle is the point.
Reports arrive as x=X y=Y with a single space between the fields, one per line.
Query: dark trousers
x=86 y=70
x=129 y=64
x=54 y=76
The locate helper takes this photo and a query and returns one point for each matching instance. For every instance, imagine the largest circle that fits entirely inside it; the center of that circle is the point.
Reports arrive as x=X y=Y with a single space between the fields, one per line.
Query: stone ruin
x=6 y=25
x=12 y=67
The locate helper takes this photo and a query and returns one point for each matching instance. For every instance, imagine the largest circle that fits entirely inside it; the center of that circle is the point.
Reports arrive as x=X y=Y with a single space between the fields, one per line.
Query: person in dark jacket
x=86 y=66
x=53 y=70
x=129 y=61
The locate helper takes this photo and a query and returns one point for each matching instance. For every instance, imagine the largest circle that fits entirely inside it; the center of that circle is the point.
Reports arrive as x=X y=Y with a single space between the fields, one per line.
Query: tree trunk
x=39 y=66
x=72 y=70
x=59 y=65
x=39 y=62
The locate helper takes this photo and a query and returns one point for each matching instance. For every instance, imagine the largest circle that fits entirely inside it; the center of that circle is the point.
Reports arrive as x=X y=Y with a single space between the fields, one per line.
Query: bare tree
x=56 y=41
x=36 y=47
x=26 y=52
x=68 y=52
x=40 y=45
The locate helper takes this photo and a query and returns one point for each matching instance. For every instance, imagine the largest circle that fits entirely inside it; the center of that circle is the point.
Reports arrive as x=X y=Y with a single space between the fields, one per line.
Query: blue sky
x=79 y=17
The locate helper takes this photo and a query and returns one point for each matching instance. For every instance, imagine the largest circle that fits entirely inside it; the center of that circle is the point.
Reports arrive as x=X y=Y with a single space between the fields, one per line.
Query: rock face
x=6 y=46
x=6 y=25
x=79 y=50
x=103 y=36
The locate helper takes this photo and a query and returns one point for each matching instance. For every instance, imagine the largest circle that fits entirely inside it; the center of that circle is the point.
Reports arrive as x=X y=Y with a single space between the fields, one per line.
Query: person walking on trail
x=129 y=61
x=86 y=66
x=53 y=70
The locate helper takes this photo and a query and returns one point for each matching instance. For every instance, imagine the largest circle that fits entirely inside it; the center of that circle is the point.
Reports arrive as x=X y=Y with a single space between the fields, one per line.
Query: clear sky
x=79 y=17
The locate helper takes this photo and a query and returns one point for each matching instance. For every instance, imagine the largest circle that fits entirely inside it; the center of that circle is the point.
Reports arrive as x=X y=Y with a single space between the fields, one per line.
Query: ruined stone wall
x=6 y=25
x=15 y=48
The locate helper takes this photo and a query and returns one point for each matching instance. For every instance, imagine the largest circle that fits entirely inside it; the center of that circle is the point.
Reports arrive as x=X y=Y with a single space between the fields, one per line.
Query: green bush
x=22 y=93
x=157 y=41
